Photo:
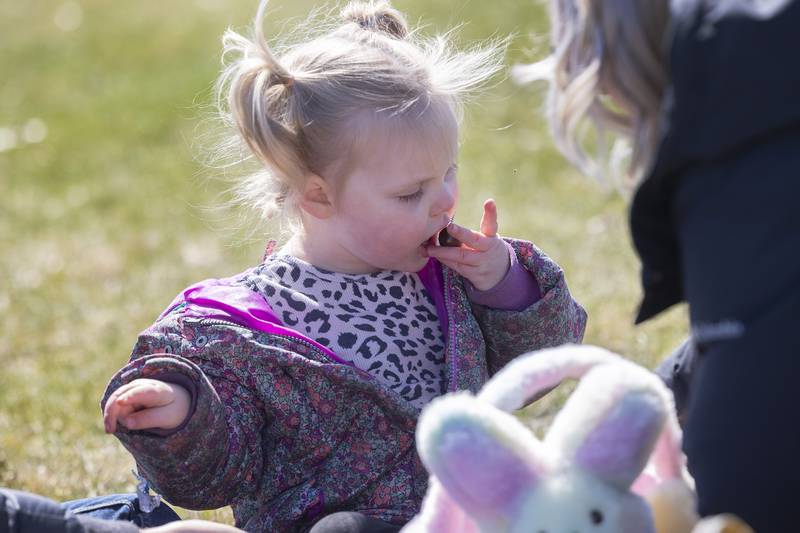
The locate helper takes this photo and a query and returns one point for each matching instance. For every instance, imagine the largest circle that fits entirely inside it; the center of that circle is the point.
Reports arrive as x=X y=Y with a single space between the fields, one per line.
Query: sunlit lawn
x=104 y=210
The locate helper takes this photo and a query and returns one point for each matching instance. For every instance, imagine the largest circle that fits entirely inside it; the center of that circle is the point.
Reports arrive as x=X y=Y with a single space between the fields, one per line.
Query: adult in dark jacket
x=709 y=94
x=717 y=223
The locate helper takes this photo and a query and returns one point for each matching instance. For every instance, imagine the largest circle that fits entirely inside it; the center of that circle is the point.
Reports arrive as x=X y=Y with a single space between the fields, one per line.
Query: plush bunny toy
x=615 y=440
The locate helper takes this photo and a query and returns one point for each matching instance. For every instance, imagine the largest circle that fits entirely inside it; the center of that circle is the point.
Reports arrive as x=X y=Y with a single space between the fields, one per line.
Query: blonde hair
x=608 y=67
x=302 y=110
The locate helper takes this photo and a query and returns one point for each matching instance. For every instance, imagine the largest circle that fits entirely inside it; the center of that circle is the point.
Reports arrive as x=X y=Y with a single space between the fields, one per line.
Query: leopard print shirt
x=384 y=323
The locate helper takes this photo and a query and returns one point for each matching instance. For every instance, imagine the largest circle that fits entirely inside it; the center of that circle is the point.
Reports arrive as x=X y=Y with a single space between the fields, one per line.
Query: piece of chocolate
x=445 y=239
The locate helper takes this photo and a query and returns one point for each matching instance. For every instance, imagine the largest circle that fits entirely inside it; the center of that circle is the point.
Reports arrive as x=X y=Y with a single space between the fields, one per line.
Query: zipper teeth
x=220 y=322
x=290 y=338
x=450 y=330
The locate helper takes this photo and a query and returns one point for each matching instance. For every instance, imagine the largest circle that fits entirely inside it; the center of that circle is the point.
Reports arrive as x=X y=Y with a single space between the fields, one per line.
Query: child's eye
x=416 y=195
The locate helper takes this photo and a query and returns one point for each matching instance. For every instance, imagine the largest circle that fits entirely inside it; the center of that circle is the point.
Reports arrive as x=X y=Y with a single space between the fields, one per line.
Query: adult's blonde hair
x=301 y=111
x=608 y=69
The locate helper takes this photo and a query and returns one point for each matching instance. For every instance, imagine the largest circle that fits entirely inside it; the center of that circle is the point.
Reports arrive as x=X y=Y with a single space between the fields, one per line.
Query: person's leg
x=350 y=522
x=121 y=507
x=742 y=434
x=23 y=512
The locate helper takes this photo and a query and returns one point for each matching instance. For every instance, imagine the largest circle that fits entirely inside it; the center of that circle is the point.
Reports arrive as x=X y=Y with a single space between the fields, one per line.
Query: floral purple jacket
x=284 y=431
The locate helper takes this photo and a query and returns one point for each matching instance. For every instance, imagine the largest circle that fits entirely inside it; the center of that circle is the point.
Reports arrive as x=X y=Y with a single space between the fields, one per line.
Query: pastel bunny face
x=573 y=502
x=492 y=475
x=509 y=481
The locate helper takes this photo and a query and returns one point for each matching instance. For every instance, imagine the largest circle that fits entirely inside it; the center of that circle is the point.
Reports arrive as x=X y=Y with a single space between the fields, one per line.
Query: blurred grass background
x=103 y=213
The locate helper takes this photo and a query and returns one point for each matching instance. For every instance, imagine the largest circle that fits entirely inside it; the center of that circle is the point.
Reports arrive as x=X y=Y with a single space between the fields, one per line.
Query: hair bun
x=378 y=17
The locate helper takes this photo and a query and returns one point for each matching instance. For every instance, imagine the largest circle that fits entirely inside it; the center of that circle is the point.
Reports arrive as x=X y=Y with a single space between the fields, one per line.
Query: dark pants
x=23 y=512
x=739 y=234
x=348 y=522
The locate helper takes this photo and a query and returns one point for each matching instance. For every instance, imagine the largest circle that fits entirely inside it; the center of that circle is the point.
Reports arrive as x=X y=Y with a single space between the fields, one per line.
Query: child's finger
x=146 y=396
x=473 y=239
x=110 y=416
x=459 y=268
x=157 y=417
x=475 y=274
x=123 y=389
x=133 y=396
x=461 y=255
x=113 y=412
x=489 y=218
x=113 y=408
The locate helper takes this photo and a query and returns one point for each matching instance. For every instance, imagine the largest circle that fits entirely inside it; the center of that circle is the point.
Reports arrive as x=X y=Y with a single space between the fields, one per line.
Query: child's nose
x=446 y=200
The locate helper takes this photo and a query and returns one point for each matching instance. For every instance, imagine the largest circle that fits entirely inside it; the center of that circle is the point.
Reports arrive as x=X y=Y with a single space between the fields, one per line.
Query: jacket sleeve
x=215 y=455
x=555 y=319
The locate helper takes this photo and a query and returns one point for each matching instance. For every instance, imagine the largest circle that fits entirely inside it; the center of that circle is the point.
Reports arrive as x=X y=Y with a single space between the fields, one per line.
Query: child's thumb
x=489 y=218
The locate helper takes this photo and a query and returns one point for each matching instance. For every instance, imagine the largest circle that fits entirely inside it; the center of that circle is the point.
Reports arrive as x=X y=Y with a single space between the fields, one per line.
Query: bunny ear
x=440 y=514
x=530 y=376
x=484 y=458
x=667 y=462
x=668 y=459
x=611 y=422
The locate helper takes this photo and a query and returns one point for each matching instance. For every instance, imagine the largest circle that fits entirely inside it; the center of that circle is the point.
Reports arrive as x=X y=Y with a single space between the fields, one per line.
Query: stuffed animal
x=615 y=441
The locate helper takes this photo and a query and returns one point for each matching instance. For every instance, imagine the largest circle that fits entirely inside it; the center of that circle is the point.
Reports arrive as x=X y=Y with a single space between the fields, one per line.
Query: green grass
x=105 y=220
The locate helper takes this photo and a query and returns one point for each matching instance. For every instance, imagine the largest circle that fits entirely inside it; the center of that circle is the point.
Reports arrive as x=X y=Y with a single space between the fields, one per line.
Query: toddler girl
x=291 y=391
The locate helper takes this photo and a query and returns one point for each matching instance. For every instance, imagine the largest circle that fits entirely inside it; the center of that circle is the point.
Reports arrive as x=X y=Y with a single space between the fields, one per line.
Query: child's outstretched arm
x=191 y=421
x=529 y=307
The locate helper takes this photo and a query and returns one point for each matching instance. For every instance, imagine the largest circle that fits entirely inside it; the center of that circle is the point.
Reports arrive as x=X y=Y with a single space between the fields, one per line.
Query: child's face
x=401 y=193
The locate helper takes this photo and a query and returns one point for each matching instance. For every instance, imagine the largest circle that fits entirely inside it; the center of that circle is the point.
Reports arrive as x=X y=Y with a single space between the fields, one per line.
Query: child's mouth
x=441 y=238
x=445 y=239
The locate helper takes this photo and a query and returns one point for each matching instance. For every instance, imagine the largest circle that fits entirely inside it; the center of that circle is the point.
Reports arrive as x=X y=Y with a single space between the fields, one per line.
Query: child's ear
x=316 y=198
x=485 y=459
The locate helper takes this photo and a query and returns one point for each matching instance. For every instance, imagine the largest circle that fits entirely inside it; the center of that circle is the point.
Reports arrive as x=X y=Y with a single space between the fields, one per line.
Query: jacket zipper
x=221 y=322
x=450 y=329
x=362 y=373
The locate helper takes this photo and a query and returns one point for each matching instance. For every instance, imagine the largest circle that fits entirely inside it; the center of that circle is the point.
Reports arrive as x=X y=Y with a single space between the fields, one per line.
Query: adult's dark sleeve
x=676 y=371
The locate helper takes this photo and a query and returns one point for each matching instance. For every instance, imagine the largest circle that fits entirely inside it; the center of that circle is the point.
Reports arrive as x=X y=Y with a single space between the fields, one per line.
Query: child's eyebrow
x=421 y=181
x=413 y=183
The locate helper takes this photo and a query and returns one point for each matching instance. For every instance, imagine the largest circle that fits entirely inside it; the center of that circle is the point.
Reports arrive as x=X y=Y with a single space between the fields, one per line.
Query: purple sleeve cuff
x=515 y=292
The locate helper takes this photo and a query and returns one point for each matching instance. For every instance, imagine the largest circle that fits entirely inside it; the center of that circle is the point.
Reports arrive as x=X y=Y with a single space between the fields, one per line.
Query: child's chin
x=413 y=262
x=419 y=262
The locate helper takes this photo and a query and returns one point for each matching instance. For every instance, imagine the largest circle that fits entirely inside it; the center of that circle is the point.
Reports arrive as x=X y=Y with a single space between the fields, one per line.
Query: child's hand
x=146 y=404
x=482 y=257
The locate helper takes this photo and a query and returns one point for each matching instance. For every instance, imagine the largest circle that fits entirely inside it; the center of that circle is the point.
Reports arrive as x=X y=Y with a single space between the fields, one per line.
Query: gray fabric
x=350 y=522
x=22 y=512
x=676 y=371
